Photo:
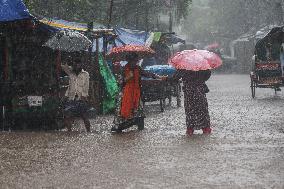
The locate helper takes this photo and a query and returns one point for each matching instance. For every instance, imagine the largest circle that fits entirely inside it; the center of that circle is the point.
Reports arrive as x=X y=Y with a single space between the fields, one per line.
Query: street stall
x=266 y=69
x=32 y=51
x=29 y=82
x=103 y=84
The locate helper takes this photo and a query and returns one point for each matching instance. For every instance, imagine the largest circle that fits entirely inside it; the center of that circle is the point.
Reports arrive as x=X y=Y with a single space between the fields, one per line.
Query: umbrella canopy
x=195 y=60
x=120 y=53
x=68 y=41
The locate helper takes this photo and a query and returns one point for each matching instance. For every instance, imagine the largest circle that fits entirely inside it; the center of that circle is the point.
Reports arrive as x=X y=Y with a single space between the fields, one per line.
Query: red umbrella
x=195 y=60
x=120 y=53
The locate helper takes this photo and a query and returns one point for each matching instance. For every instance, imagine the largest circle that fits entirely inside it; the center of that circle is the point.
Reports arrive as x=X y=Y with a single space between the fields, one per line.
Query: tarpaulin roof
x=59 y=23
x=256 y=34
x=171 y=39
x=11 y=10
x=130 y=37
x=77 y=26
x=273 y=39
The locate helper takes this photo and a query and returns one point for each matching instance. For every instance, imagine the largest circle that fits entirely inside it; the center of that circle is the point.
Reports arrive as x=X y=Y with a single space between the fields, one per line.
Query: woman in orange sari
x=132 y=86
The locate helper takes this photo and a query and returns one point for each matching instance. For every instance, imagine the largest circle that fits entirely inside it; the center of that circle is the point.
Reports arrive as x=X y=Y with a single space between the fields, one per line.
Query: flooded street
x=245 y=150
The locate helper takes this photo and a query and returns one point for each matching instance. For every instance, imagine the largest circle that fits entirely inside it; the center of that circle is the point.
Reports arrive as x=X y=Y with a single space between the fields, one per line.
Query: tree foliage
x=231 y=18
x=139 y=14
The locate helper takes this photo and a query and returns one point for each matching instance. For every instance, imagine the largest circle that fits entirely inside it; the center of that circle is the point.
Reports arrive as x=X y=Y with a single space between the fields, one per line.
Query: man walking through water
x=77 y=95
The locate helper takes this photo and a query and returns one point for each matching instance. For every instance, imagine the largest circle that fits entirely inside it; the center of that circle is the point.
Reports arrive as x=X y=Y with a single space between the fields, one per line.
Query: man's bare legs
x=68 y=123
x=69 y=120
x=86 y=122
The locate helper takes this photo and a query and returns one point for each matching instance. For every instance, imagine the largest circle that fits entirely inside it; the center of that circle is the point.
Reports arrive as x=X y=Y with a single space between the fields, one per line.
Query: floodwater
x=245 y=150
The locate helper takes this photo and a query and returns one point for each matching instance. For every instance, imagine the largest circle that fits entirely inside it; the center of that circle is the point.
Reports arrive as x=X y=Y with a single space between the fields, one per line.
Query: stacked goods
x=162 y=70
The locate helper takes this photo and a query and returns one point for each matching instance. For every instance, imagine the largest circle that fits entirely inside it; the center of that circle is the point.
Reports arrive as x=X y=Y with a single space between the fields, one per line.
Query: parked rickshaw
x=266 y=69
x=159 y=90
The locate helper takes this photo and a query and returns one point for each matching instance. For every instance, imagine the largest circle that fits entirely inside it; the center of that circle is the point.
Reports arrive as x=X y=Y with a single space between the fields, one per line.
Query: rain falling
x=142 y=94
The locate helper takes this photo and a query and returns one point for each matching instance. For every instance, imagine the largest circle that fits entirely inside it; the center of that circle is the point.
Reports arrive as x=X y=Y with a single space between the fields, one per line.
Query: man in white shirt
x=77 y=95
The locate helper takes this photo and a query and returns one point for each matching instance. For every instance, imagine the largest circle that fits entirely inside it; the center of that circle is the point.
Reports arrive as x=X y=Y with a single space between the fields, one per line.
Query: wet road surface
x=245 y=150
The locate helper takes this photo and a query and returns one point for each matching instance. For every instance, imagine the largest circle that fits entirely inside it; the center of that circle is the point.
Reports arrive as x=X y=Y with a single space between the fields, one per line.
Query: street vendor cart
x=266 y=67
x=160 y=90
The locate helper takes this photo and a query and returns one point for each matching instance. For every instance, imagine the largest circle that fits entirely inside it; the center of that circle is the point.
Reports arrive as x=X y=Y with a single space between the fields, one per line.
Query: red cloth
x=131 y=92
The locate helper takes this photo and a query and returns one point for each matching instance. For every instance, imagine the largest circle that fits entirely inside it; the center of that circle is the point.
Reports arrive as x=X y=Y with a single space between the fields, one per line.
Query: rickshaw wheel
x=140 y=123
x=252 y=86
x=178 y=102
x=162 y=105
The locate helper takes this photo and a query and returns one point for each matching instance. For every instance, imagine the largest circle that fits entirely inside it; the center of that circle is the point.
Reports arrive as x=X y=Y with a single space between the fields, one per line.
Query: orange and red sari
x=131 y=92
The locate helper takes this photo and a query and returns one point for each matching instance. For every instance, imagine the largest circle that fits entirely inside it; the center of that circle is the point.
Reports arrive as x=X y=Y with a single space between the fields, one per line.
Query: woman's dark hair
x=131 y=56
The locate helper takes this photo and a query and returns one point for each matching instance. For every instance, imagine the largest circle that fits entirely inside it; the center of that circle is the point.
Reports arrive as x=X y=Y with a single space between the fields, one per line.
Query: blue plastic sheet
x=130 y=37
x=161 y=70
x=11 y=10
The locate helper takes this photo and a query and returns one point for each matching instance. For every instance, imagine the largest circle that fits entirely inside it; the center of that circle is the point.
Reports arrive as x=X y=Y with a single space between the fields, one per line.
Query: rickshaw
x=158 y=90
x=266 y=66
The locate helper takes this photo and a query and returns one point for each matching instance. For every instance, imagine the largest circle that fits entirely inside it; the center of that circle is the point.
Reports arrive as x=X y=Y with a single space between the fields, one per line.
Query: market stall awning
x=99 y=30
x=64 y=24
x=11 y=10
x=130 y=37
x=256 y=34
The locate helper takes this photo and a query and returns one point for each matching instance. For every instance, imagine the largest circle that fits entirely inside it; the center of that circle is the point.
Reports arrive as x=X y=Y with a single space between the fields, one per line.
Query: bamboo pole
x=171 y=17
x=6 y=61
x=98 y=82
x=58 y=64
x=6 y=78
x=110 y=13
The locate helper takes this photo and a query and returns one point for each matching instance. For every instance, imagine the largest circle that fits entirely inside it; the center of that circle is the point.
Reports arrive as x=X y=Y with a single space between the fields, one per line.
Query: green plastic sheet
x=157 y=36
x=111 y=86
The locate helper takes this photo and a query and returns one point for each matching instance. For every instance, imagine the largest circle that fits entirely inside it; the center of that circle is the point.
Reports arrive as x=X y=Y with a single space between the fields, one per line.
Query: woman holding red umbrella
x=132 y=85
x=130 y=111
x=195 y=101
x=194 y=66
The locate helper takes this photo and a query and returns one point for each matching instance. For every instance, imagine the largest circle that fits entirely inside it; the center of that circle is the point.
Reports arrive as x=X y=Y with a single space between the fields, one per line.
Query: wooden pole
x=110 y=13
x=98 y=82
x=6 y=61
x=58 y=64
x=147 y=15
x=105 y=45
x=171 y=17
